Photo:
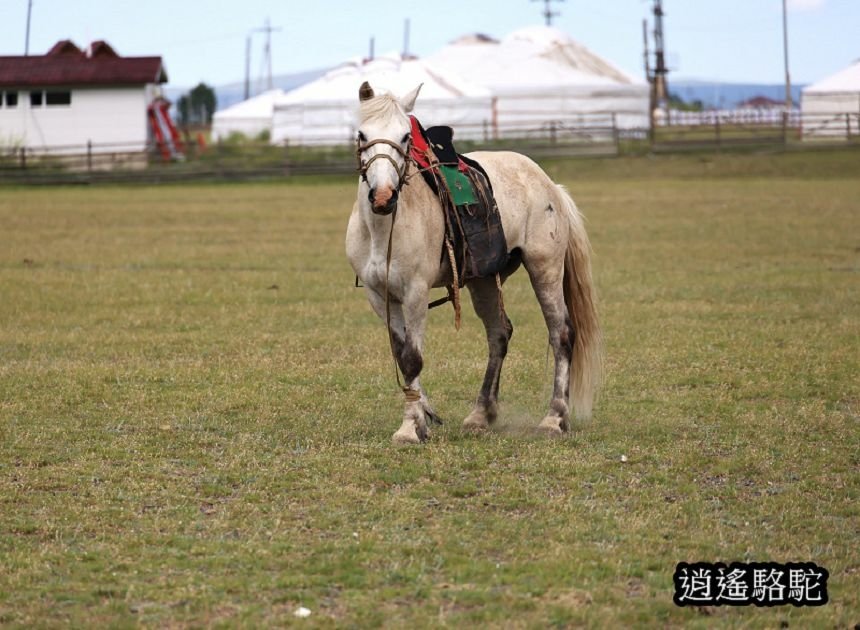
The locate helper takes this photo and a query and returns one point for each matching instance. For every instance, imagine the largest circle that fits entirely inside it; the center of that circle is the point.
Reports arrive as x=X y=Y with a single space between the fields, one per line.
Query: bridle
x=400 y=170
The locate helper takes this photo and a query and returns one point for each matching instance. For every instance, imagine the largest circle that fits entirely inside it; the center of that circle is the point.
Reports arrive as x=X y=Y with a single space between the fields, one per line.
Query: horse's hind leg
x=485 y=299
x=547 y=283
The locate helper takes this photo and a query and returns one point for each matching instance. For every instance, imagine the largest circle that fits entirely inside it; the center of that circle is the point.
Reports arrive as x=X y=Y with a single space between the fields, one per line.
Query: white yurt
x=831 y=107
x=540 y=76
x=324 y=112
x=249 y=118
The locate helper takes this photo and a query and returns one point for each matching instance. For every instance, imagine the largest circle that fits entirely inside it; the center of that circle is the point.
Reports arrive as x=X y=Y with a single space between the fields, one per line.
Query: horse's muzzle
x=385 y=208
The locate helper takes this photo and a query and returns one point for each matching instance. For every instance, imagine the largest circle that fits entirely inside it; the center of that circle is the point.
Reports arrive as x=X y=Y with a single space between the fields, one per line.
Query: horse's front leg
x=407 y=323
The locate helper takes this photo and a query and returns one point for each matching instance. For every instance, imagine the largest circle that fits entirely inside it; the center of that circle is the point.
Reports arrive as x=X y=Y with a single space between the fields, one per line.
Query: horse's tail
x=586 y=370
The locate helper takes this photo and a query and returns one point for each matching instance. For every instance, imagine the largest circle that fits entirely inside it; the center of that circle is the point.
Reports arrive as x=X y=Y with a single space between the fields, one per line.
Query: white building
x=536 y=81
x=325 y=111
x=61 y=101
x=830 y=108
x=539 y=77
x=251 y=118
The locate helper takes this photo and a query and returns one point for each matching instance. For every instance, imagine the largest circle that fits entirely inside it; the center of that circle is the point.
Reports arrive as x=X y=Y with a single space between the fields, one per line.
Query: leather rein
x=403 y=178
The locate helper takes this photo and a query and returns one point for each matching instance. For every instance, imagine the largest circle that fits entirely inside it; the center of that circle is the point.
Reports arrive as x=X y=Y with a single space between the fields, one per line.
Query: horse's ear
x=408 y=101
x=365 y=92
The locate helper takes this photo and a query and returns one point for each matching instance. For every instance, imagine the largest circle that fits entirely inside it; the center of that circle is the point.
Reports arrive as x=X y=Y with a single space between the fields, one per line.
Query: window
x=51 y=98
x=58 y=97
x=8 y=99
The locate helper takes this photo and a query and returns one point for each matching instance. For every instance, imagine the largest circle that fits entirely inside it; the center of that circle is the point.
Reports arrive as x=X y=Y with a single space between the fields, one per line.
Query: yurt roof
x=387 y=73
x=846 y=80
x=531 y=56
x=259 y=106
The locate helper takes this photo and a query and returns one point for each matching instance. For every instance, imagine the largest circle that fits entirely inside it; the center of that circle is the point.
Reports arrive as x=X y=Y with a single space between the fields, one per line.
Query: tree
x=198 y=106
x=676 y=102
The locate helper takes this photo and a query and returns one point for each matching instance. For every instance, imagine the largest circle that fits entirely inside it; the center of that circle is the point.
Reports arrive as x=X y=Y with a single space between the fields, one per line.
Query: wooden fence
x=591 y=137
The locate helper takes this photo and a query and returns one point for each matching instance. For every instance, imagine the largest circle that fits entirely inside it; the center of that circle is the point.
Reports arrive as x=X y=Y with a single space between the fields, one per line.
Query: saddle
x=474 y=233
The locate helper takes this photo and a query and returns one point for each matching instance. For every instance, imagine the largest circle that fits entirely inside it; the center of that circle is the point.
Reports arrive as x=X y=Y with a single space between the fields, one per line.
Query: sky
x=711 y=40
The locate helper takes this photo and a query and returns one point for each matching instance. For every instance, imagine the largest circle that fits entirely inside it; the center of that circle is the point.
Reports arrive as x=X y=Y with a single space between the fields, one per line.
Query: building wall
x=104 y=116
x=829 y=115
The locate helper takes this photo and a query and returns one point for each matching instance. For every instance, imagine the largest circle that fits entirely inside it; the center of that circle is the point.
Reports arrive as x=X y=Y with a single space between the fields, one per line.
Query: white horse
x=544 y=232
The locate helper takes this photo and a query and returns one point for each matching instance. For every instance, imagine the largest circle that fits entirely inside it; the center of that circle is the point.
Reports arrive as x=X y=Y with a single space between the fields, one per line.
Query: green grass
x=196 y=407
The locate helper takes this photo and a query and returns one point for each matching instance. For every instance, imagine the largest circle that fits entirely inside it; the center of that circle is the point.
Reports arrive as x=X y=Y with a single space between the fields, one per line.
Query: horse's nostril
x=371 y=195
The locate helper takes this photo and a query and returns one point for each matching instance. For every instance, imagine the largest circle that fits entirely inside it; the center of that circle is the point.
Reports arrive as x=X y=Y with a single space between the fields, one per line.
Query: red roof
x=761 y=102
x=67 y=65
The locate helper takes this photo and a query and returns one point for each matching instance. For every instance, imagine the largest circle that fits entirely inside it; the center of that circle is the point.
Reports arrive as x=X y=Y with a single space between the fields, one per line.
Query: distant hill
x=716 y=95
x=713 y=94
x=233 y=93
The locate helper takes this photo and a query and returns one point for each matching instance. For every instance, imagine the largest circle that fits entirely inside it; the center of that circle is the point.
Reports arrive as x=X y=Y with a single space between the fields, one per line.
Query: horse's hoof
x=476 y=422
x=553 y=426
x=404 y=439
x=409 y=434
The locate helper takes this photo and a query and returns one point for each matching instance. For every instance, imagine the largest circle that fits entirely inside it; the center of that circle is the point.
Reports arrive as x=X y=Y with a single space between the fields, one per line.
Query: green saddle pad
x=461 y=188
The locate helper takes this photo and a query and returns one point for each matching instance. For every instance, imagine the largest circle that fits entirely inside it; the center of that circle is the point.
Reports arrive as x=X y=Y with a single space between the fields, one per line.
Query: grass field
x=196 y=408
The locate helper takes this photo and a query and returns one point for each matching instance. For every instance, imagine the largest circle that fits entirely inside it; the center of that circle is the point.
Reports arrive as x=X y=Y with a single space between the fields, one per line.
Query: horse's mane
x=382 y=106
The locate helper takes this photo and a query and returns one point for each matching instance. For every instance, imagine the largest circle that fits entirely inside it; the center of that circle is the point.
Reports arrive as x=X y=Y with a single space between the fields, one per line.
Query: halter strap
x=400 y=170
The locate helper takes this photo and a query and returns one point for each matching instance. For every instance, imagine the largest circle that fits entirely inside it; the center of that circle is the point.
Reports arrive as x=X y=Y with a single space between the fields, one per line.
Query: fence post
x=785 y=127
x=717 y=131
x=615 y=135
x=552 y=134
x=847 y=126
x=89 y=156
x=23 y=159
x=652 y=128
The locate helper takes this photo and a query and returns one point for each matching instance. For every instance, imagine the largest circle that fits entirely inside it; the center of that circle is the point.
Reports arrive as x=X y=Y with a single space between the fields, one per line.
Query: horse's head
x=383 y=145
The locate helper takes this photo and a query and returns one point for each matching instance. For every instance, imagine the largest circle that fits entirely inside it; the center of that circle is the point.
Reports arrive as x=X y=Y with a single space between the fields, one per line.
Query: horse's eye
x=362 y=137
x=405 y=139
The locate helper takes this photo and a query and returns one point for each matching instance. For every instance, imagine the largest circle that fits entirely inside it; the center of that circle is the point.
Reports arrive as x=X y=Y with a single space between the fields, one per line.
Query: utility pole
x=27 y=36
x=649 y=76
x=660 y=69
x=248 y=67
x=789 y=102
x=268 y=29
x=647 y=53
x=406 y=39
x=548 y=13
